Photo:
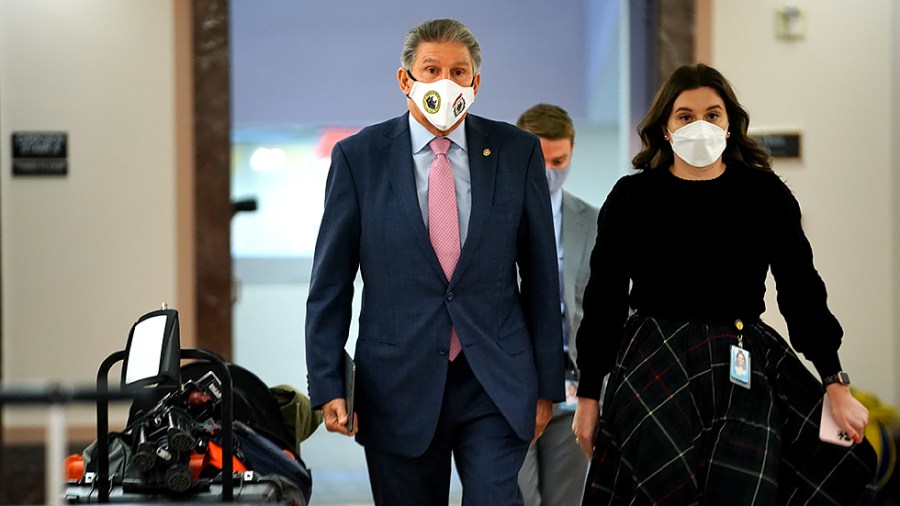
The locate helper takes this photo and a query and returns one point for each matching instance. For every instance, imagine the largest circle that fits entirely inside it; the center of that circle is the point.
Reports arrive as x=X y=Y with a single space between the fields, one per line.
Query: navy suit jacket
x=372 y=223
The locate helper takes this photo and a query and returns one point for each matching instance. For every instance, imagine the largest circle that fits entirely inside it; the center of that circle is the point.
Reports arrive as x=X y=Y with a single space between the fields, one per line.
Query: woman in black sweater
x=678 y=276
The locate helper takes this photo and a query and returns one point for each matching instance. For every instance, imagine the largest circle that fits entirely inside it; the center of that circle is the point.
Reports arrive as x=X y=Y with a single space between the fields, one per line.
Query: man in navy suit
x=419 y=400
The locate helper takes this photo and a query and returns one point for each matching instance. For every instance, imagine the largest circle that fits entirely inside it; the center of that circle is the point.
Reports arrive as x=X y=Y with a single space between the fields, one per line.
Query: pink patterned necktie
x=443 y=218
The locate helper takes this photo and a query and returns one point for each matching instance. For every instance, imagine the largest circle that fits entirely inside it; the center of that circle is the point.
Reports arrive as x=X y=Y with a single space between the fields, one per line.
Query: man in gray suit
x=554 y=469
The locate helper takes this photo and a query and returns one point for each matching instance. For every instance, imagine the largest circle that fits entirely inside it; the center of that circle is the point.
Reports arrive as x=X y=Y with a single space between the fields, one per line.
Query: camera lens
x=144 y=453
x=178 y=478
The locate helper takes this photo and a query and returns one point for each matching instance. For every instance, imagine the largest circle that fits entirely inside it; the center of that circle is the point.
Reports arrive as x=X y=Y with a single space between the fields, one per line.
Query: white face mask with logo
x=699 y=143
x=556 y=178
x=442 y=102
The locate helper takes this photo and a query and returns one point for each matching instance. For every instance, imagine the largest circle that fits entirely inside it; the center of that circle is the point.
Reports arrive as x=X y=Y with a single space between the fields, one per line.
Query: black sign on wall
x=781 y=145
x=40 y=153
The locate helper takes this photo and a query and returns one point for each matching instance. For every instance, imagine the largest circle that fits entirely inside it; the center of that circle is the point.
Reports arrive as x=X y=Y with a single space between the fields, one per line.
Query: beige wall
x=895 y=216
x=84 y=255
x=835 y=87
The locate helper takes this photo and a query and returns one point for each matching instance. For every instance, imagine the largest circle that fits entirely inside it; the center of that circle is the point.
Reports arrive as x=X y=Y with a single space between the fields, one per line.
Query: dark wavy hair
x=656 y=152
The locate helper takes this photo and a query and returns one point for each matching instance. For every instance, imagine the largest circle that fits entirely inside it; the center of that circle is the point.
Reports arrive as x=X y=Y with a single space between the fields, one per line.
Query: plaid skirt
x=676 y=430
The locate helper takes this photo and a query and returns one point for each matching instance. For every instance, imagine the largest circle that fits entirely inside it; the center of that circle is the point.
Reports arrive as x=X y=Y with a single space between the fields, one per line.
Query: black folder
x=349 y=387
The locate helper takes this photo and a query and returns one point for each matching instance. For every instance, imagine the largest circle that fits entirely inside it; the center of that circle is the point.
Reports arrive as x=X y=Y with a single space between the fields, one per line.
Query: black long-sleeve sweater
x=701 y=251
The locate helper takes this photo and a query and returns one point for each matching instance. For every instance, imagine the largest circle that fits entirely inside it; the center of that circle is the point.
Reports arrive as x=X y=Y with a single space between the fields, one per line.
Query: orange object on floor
x=74 y=467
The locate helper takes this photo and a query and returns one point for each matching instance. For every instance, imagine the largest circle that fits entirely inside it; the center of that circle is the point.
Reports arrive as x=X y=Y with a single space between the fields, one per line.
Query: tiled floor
x=339 y=472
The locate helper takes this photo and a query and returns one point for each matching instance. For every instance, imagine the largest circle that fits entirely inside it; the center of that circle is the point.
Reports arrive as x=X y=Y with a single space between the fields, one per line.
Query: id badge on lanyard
x=739 y=366
x=571 y=385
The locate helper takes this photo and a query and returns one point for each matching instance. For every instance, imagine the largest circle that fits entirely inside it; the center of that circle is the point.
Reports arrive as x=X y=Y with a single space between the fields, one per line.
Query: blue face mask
x=556 y=178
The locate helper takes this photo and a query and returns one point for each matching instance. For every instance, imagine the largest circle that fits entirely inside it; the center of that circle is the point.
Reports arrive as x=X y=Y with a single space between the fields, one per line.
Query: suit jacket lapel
x=397 y=157
x=483 y=173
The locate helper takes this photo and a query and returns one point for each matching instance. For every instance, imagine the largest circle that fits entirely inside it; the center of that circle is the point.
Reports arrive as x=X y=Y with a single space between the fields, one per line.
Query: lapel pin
x=486 y=152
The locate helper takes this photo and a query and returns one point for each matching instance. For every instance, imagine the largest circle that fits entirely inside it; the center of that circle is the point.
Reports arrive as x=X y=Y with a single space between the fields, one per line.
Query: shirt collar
x=556 y=201
x=420 y=136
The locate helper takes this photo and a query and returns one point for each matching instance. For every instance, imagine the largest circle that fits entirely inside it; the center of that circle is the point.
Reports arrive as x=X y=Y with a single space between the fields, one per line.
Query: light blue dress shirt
x=459 y=162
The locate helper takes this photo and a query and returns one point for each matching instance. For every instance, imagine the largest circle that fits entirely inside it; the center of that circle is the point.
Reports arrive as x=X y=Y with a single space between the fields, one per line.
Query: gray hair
x=439 y=30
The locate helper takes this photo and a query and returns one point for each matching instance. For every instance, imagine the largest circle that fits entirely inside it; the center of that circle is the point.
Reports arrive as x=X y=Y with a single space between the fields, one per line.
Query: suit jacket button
x=442 y=352
x=450 y=296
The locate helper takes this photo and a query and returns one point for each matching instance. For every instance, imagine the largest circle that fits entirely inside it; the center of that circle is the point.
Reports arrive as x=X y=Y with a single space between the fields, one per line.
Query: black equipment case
x=182 y=441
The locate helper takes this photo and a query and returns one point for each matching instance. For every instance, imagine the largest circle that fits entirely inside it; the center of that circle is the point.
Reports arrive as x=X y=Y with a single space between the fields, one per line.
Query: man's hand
x=585 y=424
x=542 y=418
x=334 y=413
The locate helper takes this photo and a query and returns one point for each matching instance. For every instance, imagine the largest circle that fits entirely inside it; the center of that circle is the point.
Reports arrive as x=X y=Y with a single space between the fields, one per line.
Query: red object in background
x=74 y=467
x=329 y=137
x=198 y=399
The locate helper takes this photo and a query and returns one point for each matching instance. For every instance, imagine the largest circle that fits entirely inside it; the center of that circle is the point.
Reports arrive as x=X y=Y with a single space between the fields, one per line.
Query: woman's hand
x=585 y=424
x=849 y=414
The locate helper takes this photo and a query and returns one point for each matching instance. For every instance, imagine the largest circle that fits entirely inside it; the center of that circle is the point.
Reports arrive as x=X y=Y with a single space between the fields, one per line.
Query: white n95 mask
x=442 y=102
x=699 y=143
